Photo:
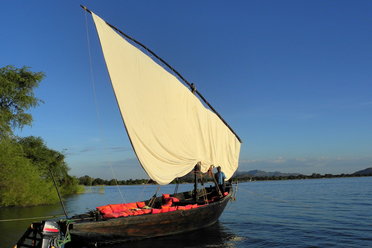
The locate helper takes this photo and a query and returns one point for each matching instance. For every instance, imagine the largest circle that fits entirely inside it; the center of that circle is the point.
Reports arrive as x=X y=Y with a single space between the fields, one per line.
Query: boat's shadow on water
x=214 y=236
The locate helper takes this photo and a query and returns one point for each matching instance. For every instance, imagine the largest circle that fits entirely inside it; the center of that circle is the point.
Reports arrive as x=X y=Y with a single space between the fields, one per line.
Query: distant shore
x=188 y=179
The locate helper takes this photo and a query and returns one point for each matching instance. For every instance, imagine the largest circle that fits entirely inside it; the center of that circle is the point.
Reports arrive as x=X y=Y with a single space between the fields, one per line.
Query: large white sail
x=169 y=128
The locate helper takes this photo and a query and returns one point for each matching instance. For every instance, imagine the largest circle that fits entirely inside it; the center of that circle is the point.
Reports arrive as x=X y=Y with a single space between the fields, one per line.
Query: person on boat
x=220 y=179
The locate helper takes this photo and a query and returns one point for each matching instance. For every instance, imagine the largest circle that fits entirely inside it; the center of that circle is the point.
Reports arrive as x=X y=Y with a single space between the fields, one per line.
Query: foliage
x=25 y=179
x=43 y=157
x=26 y=163
x=49 y=161
x=20 y=182
x=69 y=185
x=16 y=97
x=80 y=189
x=89 y=181
x=86 y=180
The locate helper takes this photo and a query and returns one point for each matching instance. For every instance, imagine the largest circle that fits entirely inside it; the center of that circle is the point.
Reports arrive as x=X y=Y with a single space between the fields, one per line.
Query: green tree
x=16 y=97
x=98 y=181
x=112 y=182
x=20 y=181
x=43 y=157
x=86 y=180
x=47 y=161
x=25 y=163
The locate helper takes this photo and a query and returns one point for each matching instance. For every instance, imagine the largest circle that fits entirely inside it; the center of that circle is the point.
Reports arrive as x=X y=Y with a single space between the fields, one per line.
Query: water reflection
x=12 y=230
x=216 y=235
x=296 y=213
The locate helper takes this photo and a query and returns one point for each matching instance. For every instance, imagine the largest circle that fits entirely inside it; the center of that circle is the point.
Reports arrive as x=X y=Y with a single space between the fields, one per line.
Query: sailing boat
x=172 y=134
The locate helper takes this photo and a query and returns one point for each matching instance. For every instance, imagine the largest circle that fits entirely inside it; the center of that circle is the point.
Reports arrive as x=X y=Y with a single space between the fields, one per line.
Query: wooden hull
x=147 y=226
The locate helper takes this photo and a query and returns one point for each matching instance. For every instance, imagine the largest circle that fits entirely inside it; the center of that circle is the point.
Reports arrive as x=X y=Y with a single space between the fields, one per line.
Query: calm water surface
x=297 y=213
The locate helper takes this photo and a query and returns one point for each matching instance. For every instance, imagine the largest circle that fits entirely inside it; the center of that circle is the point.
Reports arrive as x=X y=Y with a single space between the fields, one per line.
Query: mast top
x=86 y=9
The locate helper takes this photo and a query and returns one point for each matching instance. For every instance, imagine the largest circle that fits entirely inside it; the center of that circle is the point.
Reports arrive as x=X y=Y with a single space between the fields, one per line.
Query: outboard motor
x=50 y=234
x=45 y=234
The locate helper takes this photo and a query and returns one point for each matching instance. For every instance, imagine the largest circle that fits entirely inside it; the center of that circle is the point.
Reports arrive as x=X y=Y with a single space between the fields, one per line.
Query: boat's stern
x=44 y=234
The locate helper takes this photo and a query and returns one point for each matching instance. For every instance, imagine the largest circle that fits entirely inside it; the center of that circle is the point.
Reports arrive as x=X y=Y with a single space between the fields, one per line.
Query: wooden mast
x=192 y=87
x=195 y=183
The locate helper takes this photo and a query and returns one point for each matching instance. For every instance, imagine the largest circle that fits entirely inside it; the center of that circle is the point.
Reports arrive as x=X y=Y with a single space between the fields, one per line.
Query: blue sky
x=293 y=78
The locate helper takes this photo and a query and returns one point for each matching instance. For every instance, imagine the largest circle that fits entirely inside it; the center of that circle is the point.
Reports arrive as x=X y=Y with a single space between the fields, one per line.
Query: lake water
x=297 y=213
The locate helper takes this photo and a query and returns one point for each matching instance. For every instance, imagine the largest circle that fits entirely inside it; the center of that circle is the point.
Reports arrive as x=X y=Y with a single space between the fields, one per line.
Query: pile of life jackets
x=140 y=208
x=123 y=210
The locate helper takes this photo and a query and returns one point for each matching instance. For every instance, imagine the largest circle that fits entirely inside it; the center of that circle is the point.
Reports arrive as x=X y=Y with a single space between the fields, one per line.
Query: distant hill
x=259 y=173
x=264 y=174
x=365 y=172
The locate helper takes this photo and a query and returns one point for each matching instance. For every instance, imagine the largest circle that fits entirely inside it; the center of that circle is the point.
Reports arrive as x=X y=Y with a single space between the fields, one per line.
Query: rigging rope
x=152 y=200
x=99 y=119
x=140 y=197
x=33 y=218
x=177 y=185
